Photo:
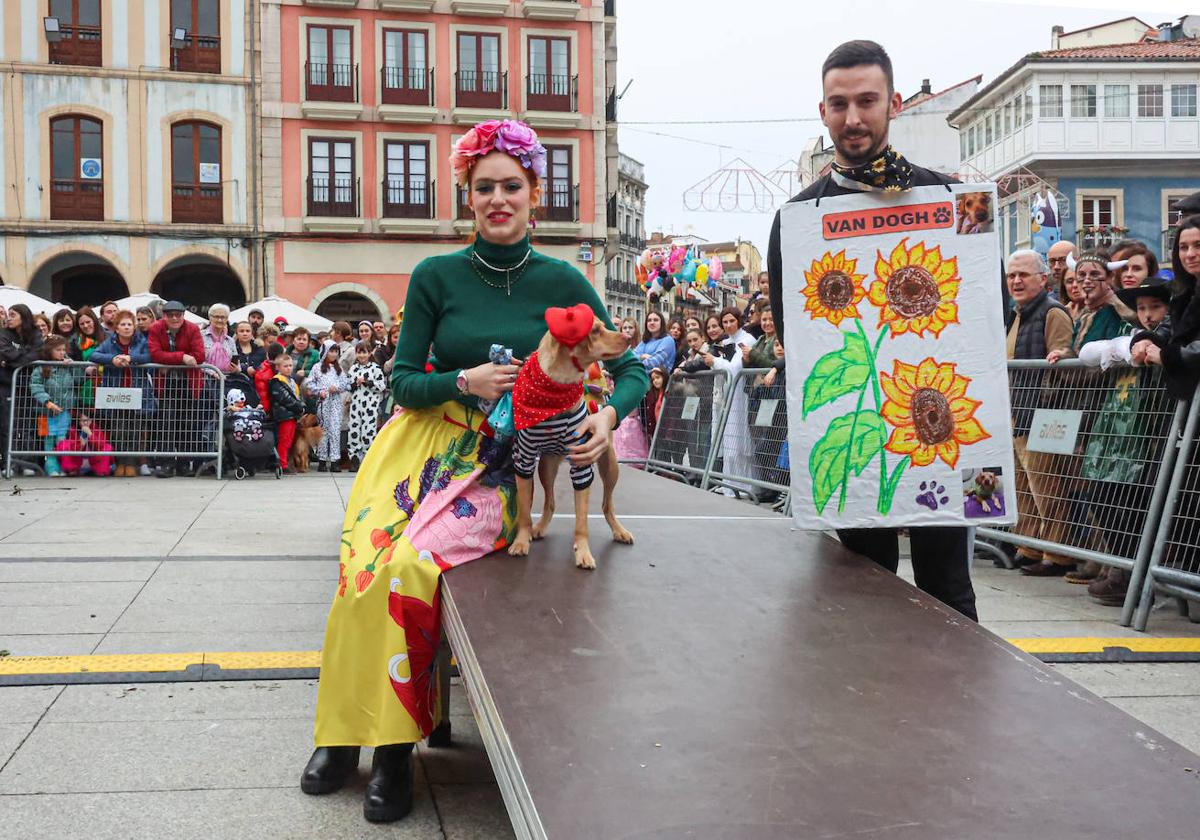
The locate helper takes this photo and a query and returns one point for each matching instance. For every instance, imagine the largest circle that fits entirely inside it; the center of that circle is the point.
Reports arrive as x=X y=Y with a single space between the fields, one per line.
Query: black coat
x=14 y=352
x=820 y=188
x=1181 y=350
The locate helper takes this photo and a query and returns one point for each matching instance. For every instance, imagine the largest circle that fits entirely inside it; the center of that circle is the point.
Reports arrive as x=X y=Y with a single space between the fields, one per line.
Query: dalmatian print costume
x=364 y=406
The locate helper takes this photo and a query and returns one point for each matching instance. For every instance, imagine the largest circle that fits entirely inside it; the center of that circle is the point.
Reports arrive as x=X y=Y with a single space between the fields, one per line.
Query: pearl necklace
x=508 y=278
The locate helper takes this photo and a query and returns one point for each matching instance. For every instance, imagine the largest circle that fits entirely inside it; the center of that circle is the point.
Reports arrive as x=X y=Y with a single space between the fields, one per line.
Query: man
x=857 y=107
x=178 y=421
x=256 y=318
x=282 y=324
x=1057 y=257
x=379 y=329
x=1041 y=330
x=108 y=311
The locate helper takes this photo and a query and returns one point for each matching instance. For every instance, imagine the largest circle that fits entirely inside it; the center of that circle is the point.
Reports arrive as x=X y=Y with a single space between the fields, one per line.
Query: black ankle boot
x=328 y=769
x=389 y=794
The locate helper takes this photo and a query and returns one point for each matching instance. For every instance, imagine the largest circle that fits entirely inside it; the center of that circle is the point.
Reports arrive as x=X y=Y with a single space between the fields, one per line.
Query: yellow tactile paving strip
x=150 y=663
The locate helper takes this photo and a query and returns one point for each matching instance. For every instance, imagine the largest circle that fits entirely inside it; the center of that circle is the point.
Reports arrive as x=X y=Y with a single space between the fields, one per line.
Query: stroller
x=249 y=440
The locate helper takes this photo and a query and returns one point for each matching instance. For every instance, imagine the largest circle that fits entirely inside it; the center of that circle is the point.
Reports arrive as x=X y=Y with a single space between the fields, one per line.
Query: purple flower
x=463 y=509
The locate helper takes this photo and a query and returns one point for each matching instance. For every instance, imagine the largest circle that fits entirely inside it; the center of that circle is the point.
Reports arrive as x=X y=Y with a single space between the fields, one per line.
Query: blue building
x=1091 y=144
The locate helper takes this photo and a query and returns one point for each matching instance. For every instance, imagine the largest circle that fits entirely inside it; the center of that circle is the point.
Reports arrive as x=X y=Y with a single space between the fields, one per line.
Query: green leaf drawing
x=849 y=444
x=839 y=373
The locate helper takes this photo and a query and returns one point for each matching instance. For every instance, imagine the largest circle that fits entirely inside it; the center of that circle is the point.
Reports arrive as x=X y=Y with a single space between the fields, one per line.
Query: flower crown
x=512 y=137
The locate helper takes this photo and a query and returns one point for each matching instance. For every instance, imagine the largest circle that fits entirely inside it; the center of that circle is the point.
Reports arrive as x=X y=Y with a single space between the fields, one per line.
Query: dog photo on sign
x=983 y=493
x=974 y=212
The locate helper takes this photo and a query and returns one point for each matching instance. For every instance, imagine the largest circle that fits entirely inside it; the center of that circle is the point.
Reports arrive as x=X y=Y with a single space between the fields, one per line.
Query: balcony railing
x=1100 y=239
x=401 y=86
x=481 y=89
x=546 y=92
x=338 y=197
x=197 y=54
x=562 y=204
x=79 y=45
x=196 y=204
x=629 y=240
x=77 y=198
x=326 y=82
x=408 y=199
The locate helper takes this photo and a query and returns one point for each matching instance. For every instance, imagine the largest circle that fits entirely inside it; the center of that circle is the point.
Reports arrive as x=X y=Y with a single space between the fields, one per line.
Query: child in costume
x=245 y=423
x=329 y=384
x=367 y=388
x=286 y=406
x=89 y=447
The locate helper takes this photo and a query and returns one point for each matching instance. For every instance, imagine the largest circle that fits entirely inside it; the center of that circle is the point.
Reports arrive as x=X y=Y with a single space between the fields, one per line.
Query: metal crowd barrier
x=162 y=412
x=716 y=430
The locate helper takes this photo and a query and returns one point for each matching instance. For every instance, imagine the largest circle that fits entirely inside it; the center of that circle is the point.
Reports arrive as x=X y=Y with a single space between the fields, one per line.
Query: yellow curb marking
x=290 y=660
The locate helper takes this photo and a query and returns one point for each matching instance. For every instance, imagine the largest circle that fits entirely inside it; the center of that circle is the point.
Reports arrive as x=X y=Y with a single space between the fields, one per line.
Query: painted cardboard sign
x=897 y=385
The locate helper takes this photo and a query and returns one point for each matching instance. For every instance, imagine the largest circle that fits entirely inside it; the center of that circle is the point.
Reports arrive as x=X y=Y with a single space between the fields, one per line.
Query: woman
x=42 y=320
x=677 y=333
x=736 y=450
x=1072 y=295
x=383 y=353
x=1180 y=355
x=657 y=349
x=1140 y=264
x=119 y=354
x=219 y=345
x=64 y=324
x=716 y=338
x=20 y=344
x=433 y=491
x=366 y=332
x=89 y=334
x=248 y=354
x=690 y=323
x=145 y=319
x=767 y=439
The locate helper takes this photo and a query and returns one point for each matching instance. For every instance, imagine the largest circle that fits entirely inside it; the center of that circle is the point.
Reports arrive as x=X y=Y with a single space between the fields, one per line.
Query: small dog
x=984 y=491
x=544 y=429
x=974 y=212
x=308 y=435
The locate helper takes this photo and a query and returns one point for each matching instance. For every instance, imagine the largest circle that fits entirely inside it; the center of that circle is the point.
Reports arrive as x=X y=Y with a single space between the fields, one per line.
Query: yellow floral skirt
x=435 y=490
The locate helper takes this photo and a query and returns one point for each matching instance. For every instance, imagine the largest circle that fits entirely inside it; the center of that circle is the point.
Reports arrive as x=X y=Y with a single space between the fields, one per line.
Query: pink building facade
x=362 y=102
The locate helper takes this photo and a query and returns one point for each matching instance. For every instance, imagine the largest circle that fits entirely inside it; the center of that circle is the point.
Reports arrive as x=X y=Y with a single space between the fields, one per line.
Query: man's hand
x=599 y=426
x=1054 y=355
x=189 y=360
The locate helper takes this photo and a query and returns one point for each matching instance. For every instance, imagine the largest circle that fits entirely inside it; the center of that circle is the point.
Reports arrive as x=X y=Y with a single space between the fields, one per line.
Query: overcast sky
x=752 y=60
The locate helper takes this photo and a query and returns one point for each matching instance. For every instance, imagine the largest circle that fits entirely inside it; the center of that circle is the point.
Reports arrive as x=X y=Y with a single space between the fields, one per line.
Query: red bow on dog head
x=571 y=325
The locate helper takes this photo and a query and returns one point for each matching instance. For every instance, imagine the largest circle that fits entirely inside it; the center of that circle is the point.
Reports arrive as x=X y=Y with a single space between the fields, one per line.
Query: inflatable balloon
x=688 y=275
x=639 y=272
x=701 y=274
x=715 y=268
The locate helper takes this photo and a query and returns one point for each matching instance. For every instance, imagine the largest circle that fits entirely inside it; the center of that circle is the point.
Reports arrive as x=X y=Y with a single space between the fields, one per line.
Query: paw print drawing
x=932 y=495
x=941 y=216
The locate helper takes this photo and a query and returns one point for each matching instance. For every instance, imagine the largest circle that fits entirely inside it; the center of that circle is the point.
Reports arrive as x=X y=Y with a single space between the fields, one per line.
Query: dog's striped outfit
x=546 y=414
x=551 y=437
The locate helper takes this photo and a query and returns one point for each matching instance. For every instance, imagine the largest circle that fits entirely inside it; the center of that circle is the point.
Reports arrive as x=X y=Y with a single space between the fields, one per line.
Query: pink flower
x=440 y=526
x=511 y=137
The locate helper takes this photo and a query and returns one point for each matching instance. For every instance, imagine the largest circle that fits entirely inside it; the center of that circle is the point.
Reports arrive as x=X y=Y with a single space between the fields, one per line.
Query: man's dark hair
x=857 y=54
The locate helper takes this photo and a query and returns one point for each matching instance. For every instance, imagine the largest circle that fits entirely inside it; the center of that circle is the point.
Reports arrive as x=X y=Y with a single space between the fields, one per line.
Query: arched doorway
x=198 y=282
x=350 y=307
x=78 y=278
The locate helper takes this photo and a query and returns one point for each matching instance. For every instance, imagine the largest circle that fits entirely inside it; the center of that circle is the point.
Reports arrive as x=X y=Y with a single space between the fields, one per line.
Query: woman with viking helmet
x=436 y=488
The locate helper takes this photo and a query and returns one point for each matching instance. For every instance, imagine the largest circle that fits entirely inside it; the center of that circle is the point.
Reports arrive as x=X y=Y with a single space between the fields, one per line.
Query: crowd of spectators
x=340 y=377
x=1135 y=327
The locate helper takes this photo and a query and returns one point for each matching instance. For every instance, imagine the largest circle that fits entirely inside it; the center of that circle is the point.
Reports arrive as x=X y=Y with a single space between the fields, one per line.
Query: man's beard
x=872 y=153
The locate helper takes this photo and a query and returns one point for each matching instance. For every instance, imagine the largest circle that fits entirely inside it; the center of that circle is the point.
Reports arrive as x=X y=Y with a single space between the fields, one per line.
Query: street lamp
x=179 y=37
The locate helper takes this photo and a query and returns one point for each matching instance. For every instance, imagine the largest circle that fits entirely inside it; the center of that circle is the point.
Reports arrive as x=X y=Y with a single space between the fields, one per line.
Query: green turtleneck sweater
x=451 y=309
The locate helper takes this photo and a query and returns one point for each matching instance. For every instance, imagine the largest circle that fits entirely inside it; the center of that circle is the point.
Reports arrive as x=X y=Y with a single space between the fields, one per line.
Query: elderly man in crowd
x=1042 y=327
x=173 y=341
x=1057 y=257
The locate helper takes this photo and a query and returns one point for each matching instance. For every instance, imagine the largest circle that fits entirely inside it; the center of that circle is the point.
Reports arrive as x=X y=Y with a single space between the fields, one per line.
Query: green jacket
x=762 y=354
x=58 y=384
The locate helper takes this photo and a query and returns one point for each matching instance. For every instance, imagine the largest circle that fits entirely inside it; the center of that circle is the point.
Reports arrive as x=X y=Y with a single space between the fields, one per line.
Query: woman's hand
x=490 y=381
x=769 y=379
x=599 y=426
x=1153 y=354
x=53 y=407
x=121 y=361
x=1138 y=352
x=233 y=366
x=708 y=359
x=745 y=353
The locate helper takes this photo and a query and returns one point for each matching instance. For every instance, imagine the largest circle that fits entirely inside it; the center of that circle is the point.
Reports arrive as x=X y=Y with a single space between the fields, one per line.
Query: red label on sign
x=888 y=220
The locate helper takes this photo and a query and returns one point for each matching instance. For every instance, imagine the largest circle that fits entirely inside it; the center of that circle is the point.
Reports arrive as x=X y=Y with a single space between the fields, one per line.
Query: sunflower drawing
x=833 y=289
x=915 y=290
x=933 y=416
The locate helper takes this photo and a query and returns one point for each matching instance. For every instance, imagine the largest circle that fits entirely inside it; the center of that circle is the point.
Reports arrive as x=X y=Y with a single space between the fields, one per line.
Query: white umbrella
x=272 y=307
x=10 y=295
x=149 y=299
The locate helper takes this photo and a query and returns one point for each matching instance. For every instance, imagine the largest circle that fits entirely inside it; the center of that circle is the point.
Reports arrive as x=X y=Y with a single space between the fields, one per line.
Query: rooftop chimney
x=1055 y=33
x=925 y=88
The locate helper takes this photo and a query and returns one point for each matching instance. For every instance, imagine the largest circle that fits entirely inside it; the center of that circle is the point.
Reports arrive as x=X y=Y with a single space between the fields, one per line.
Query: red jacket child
x=262 y=384
x=188 y=342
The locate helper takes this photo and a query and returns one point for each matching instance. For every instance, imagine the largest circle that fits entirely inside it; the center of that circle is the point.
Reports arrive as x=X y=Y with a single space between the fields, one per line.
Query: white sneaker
x=145 y=470
x=727 y=491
